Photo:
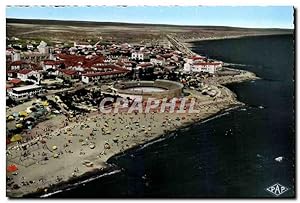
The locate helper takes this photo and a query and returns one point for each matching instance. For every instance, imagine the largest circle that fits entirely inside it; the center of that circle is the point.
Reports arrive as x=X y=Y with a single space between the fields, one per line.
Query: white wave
x=82 y=182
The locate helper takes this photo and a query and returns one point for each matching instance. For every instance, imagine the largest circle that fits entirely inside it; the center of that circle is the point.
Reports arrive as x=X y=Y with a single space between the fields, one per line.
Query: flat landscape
x=54 y=30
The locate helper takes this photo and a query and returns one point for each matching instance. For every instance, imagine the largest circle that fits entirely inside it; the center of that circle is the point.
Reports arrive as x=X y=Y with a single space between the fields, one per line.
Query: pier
x=180 y=46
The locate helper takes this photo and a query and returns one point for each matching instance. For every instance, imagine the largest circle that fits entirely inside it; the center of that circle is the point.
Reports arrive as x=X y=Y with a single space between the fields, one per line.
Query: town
x=55 y=94
x=34 y=68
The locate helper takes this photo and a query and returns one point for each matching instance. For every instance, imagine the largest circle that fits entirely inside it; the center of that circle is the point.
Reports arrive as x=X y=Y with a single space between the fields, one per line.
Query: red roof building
x=25 y=71
x=15 y=81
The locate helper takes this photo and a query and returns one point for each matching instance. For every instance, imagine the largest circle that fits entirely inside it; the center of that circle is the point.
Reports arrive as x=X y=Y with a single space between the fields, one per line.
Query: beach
x=64 y=149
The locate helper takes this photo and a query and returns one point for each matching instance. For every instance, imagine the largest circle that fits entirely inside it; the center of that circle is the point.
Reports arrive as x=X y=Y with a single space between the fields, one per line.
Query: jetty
x=180 y=46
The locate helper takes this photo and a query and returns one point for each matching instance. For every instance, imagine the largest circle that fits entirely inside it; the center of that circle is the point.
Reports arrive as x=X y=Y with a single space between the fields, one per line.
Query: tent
x=16 y=137
x=12 y=168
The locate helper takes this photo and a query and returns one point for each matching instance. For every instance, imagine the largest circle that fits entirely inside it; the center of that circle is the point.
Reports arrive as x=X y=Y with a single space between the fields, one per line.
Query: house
x=15 y=56
x=82 y=45
x=50 y=64
x=68 y=74
x=196 y=58
x=144 y=70
x=17 y=65
x=11 y=73
x=28 y=74
x=96 y=76
x=140 y=55
x=144 y=65
x=43 y=48
x=158 y=61
x=205 y=67
x=15 y=81
x=25 y=91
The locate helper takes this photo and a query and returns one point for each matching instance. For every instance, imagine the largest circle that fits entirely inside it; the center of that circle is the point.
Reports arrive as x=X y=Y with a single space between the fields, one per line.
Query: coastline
x=114 y=169
x=213 y=108
x=61 y=173
x=189 y=42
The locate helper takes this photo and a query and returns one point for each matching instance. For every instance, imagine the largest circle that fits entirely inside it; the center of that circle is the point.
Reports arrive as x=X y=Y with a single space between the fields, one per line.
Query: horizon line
x=135 y=23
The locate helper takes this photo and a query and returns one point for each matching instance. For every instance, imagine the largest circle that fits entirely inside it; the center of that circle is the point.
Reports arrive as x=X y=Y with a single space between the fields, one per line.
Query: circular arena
x=149 y=89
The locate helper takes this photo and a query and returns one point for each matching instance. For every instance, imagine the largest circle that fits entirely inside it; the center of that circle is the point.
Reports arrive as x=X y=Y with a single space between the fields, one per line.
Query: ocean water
x=231 y=155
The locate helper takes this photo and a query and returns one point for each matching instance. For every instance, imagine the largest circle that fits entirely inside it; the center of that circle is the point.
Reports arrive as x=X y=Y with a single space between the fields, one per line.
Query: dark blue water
x=229 y=156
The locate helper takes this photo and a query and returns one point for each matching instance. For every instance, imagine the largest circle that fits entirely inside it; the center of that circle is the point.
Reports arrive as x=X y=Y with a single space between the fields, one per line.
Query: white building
x=144 y=65
x=15 y=56
x=83 y=45
x=42 y=47
x=49 y=64
x=25 y=91
x=92 y=77
x=204 y=67
x=158 y=61
x=140 y=55
x=26 y=74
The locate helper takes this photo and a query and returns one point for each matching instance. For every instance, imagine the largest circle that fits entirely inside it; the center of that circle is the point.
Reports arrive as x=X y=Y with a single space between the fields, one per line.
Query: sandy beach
x=64 y=149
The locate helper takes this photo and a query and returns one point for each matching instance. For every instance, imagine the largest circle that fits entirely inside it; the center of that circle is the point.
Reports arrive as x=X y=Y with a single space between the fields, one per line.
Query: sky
x=251 y=16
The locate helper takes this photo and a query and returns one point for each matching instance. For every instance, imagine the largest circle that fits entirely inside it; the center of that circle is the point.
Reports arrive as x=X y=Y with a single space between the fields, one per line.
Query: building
x=140 y=55
x=43 y=48
x=93 y=77
x=30 y=75
x=82 y=45
x=11 y=74
x=158 y=61
x=68 y=74
x=50 y=64
x=204 y=67
x=16 y=56
x=17 y=65
x=144 y=70
x=25 y=91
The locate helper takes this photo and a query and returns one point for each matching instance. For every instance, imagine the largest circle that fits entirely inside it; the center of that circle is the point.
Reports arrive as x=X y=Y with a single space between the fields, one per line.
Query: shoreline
x=62 y=166
x=189 y=42
x=112 y=168
x=102 y=166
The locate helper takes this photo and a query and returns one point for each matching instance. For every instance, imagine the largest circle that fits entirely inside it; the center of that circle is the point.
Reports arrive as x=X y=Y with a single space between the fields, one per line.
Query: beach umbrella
x=19 y=125
x=45 y=103
x=54 y=147
x=16 y=137
x=23 y=113
x=28 y=110
x=12 y=168
x=10 y=118
x=15 y=114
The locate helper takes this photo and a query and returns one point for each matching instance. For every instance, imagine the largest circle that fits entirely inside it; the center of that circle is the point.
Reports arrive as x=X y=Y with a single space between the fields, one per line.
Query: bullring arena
x=149 y=89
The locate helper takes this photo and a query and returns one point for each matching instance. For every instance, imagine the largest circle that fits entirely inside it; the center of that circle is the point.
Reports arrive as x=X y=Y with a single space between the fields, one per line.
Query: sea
x=231 y=155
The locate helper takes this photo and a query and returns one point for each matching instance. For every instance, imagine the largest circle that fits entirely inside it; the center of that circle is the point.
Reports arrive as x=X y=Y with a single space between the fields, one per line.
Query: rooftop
x=28 y=87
